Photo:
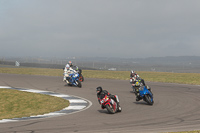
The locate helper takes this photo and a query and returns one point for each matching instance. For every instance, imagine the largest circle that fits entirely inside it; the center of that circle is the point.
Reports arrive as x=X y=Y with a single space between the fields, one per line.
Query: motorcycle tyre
x=70 y=84
x=81 y=78
x=79 y=84
x=110 y=110
x=148 y=100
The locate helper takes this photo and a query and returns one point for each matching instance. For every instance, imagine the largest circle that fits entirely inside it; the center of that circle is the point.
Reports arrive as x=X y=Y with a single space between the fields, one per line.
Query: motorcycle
x=109 y=104
x=144 y=93
x=79 y=71
x=73 y=79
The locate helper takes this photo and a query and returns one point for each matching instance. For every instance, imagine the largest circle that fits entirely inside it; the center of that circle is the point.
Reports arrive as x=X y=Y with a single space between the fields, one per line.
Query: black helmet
x=99 y=89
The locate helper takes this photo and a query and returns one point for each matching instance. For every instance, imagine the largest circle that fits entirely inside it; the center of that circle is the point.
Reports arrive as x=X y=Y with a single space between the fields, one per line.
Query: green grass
x=182 y=78
x=32 y=71
x=17 y=104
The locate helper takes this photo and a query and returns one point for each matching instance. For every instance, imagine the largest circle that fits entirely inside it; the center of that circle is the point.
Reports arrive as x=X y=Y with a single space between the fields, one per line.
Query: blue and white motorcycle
x=73 y=79
x=144 y=93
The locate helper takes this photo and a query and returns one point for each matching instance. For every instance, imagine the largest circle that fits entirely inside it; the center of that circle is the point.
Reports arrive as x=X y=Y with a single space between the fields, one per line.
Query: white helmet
x=132 y=72
x=67 y=66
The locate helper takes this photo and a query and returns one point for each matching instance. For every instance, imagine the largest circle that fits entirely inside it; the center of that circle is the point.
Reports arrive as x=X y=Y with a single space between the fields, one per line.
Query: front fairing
x=104 y=100
x=74 y=77
x=144 y=91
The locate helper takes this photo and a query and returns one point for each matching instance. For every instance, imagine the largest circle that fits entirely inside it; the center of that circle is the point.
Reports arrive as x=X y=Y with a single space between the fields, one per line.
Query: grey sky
x=100 y=28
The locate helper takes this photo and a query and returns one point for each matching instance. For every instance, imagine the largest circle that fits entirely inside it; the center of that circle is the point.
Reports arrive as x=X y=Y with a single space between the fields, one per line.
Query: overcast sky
x=99 y=28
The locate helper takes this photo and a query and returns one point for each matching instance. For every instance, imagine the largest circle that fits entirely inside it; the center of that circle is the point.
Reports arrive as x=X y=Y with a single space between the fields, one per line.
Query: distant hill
x=163 y=64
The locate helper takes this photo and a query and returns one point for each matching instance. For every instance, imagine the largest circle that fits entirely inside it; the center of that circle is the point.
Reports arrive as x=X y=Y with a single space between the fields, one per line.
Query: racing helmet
x=99 y=89
x=70 y=63
x=132 y=72
x=67 y=66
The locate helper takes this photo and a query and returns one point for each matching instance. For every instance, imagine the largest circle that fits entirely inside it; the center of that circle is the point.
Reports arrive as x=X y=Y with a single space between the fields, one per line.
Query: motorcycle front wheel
x=148 y=100
x=111 y=110
x=79 y=83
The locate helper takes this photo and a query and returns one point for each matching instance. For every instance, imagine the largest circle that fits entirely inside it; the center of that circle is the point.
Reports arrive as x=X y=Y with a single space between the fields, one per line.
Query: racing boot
x=119 y=109
x=67 y=80
x=64 y=79
x=134 y=91
x=138 y=97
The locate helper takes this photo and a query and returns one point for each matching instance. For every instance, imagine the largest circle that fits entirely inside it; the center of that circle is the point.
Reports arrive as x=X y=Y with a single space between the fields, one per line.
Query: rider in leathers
x=67 y=72
x=134 y=77
x=100 y=92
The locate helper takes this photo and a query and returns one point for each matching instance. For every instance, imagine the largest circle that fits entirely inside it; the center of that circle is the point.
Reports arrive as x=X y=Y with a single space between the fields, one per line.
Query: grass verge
x=168 y=77
x=17 y=104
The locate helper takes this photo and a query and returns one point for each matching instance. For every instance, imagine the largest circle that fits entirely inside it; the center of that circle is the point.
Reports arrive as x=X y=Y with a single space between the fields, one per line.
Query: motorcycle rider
x=100 y=92
x=67 y=73
x=134 y=78
x=134 y=85
x=70 y=63
x=72 y=66
x=133 y=75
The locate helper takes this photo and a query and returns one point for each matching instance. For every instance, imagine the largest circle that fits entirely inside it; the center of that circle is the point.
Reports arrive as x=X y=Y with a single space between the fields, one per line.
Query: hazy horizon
x=121 y=29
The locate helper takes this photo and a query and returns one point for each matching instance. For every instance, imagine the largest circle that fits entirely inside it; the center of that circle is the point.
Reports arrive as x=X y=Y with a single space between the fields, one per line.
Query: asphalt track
x=176 y=108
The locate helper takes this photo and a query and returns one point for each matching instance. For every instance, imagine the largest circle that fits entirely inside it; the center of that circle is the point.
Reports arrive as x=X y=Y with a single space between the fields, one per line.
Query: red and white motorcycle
x=109 y=104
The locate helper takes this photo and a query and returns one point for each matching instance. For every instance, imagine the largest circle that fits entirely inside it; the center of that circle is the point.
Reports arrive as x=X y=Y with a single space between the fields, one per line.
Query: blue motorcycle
x=74 y=80
x=145 y=94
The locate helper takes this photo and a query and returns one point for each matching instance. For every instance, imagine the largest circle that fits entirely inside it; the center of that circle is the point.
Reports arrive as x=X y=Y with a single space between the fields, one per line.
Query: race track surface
x=176 y=108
